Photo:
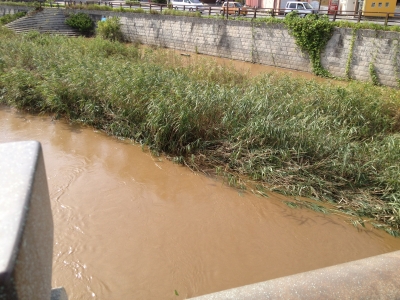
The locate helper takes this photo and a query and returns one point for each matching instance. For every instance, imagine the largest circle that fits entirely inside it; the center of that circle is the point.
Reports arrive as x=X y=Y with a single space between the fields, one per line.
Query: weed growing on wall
x=350 y=57
x=373 y=74
x=311 y=34
x=175 y=12
x=110 y=29
x=395 y=60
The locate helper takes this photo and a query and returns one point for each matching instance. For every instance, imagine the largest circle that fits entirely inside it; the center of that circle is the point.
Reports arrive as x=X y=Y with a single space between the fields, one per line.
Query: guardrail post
x=272 y=12
x=334 y=16
x=150 y=7
x=255 y=12
x=359 y=16
x=120 y=4
x=386 y=19
x=209 y=10
x=161 y=8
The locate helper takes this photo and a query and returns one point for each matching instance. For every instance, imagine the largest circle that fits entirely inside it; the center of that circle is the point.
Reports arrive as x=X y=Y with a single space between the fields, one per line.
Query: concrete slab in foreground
x=377 y=277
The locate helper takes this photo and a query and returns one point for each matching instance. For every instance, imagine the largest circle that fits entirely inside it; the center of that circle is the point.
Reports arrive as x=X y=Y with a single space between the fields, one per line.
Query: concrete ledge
x=26 y=223
x=376 y=277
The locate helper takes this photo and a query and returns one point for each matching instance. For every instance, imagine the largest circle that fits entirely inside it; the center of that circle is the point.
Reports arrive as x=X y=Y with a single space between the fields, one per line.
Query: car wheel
x=236 y=13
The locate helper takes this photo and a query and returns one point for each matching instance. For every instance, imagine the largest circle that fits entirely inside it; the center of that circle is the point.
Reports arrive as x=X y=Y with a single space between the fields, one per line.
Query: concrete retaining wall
x=10 y=10
x=348 y=53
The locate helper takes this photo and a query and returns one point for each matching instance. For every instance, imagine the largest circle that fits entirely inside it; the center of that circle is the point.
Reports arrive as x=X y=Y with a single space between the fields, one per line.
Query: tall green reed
x=295 y=136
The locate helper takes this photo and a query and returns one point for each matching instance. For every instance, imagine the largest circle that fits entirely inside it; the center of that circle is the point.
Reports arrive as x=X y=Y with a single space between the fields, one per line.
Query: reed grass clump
x=299 y=137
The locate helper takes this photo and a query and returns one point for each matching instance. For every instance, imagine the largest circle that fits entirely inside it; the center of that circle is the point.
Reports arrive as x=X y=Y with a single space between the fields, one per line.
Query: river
x=132 y=226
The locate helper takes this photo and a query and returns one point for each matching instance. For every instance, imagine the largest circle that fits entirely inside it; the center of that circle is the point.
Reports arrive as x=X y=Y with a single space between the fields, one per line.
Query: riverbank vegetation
x=332 y=143
x=9 y=18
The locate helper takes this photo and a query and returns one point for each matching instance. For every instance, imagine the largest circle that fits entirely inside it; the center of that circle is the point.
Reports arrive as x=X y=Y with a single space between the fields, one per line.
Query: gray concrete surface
x=26 y=223
x=372 y=278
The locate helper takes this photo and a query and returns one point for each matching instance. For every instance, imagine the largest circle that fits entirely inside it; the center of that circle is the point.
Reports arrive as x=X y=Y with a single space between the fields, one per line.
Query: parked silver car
x=303 y=8
x=191 y=5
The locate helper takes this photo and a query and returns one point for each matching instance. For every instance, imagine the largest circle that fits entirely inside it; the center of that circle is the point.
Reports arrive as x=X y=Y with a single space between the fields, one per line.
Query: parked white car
x=192 y=5
x=303 y=8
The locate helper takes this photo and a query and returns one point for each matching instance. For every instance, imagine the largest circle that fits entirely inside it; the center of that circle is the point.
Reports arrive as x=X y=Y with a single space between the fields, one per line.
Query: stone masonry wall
x=10 y=10
x=264 y=44
x=271 y=44
x=379 y=48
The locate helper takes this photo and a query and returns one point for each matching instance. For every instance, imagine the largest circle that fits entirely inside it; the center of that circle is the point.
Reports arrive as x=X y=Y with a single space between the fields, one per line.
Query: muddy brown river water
x=132 y=226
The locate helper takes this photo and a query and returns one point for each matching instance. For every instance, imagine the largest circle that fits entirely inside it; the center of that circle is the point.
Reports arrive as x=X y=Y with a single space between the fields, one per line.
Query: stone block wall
x=360 y=49
x=241 y=40
x=349 y=53
x=10 y=10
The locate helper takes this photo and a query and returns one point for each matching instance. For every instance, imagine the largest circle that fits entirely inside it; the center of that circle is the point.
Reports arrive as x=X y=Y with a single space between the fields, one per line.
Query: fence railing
x=381 y=18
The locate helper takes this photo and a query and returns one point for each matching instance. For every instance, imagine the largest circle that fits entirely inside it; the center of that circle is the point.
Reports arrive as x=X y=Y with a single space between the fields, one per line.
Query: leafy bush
x=175 y=12
x=110 y=29
x=9 y=18
x=311 y=34
x=80 y=21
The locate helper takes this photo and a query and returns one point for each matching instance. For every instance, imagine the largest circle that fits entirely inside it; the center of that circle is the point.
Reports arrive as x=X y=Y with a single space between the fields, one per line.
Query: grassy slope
x=295 y=136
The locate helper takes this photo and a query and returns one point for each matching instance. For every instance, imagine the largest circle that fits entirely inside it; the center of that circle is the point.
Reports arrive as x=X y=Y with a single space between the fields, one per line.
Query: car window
x=231 y=5
x=308 y=6
x=292 y=5
x=238 y=5
x=300 y=6
x=195 y=1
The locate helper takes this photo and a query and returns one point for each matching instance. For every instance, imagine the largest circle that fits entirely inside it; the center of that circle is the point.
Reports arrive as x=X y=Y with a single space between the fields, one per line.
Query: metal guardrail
x=381 y=18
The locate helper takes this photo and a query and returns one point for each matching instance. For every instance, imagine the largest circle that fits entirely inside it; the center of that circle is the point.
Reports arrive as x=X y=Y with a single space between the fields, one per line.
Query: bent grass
x=295 y=136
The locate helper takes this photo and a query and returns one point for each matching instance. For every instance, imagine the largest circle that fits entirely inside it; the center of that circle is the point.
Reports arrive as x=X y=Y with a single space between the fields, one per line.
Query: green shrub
x=132 y=2
x=175 y=12
x=80 y=21
x=311 y=34
x=9 y=18
x=110 y=29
